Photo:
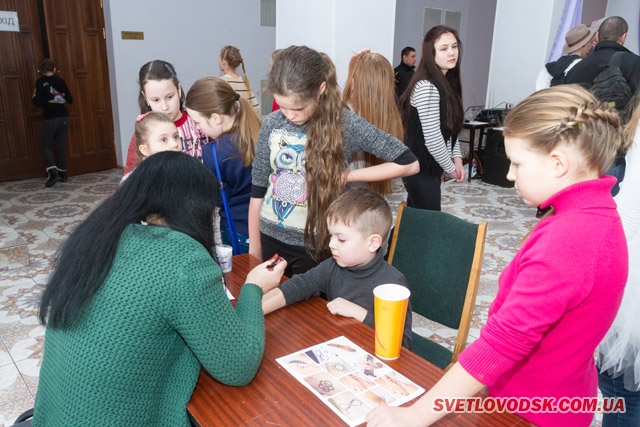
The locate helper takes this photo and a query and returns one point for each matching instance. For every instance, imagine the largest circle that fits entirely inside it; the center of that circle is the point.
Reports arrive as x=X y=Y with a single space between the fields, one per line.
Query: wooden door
x=20 y=120
x=74 y=38
x=75 y=30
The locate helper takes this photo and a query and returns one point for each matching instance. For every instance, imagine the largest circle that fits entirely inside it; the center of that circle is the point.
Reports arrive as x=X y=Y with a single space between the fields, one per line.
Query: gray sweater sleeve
x=360 y=135
x=306 y=285
x=261 y=168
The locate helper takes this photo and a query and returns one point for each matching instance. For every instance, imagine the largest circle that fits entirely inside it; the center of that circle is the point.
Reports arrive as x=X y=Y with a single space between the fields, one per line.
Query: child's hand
x=267 y=275
x=347 y=309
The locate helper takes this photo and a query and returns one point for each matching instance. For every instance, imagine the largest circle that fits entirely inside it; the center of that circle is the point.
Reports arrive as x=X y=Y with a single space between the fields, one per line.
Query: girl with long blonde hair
x=370 y=93
x=302 y=156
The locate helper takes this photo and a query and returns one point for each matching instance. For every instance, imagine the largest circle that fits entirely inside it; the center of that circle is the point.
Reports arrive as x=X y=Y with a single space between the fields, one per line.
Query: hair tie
x=142 y=116
x=237 y=97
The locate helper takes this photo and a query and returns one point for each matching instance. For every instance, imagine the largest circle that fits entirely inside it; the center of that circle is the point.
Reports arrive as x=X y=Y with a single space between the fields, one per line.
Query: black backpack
x=611 y=87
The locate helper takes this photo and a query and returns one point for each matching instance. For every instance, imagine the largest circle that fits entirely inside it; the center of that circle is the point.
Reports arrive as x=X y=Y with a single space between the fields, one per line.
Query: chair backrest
x=441 y=258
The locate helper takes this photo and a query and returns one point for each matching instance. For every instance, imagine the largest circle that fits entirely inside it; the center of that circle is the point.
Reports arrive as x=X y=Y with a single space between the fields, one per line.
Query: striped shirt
x=240 y=87
x=426 y=99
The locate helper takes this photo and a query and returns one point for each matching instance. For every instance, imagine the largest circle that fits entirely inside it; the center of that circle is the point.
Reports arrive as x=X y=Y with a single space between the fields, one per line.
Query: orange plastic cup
x=390 y=310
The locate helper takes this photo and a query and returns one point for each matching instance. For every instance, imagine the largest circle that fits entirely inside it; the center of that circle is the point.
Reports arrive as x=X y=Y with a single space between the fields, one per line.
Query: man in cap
x=578 y=45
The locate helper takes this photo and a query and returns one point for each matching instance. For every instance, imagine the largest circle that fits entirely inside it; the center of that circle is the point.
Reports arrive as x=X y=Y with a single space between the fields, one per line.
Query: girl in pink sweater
x=561 y=292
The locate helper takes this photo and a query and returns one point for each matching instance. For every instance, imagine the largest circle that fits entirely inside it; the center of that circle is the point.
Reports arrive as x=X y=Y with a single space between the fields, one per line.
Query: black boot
x=62 y=176
x=53 y=177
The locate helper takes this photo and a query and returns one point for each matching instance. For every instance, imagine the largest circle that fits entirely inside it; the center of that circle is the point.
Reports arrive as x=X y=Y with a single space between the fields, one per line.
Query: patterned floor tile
x=5 y=357
x=10 y=410
x=14 y=257
x=23 y=341
x=12 y=386
x=19 y=302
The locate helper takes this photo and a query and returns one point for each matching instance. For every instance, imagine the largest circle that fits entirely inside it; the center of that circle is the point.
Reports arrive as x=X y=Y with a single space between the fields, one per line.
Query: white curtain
x=571 y=17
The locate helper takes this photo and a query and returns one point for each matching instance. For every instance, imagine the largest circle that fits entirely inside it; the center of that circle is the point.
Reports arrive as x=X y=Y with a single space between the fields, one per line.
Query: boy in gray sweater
x=359 y=221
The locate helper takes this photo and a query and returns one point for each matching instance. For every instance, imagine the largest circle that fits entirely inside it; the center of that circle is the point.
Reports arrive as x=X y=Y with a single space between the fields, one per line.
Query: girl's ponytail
x=246 y=127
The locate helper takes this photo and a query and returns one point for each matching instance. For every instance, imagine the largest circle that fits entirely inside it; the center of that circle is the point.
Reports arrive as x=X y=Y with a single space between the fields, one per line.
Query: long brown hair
x=212 y=95
x=232 y=55
x=370 y=91
x=299 y=71
x=428 y=70
x=632 y=125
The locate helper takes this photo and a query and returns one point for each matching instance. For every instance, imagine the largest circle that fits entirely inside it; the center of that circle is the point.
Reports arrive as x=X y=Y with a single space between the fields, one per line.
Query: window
x=433 y=17
x=268 y=13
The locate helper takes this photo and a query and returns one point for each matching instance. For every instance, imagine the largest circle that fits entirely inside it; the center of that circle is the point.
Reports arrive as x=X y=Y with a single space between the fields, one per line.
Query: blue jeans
x=225 y=236
x=614 y=387
x=617 y=172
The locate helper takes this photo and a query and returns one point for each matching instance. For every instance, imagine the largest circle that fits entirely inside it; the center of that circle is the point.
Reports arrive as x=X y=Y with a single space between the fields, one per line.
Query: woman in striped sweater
x=432 y=115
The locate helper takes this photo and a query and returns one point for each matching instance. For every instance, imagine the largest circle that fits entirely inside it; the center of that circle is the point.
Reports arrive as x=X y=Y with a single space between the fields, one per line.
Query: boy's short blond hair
x=363 y=209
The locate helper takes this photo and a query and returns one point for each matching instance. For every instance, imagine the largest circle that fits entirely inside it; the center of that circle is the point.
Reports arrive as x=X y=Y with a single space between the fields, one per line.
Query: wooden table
x=275 y=398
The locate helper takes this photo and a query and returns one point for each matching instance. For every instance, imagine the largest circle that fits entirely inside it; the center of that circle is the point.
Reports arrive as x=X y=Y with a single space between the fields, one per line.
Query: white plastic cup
x=225 y=256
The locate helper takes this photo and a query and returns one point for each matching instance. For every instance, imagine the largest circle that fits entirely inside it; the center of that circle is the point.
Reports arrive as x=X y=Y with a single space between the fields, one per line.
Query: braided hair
x=232 y=55
x=567 y=114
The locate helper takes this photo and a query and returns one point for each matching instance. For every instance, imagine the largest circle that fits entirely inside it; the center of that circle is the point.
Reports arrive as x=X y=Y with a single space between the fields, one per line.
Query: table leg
x=472 y=137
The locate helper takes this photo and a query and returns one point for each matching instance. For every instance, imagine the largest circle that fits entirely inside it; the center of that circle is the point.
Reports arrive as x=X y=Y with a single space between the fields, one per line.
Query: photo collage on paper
x=349 y=380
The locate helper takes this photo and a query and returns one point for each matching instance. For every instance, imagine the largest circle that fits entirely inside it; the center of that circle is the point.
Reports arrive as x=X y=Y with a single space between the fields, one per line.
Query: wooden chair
x=441 y=258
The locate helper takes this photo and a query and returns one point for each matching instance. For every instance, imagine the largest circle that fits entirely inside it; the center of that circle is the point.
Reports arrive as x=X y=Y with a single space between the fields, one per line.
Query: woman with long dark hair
x=135 y=305
x=432 y=115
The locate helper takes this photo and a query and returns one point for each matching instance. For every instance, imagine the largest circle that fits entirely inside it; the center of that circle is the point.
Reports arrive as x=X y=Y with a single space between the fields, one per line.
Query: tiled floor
x=34 y=220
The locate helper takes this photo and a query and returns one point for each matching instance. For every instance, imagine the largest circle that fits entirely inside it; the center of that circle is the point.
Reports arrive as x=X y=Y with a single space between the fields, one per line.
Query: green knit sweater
x=135 y=356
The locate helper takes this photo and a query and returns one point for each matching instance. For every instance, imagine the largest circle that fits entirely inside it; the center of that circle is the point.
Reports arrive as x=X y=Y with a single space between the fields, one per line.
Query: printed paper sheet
x=349 y=380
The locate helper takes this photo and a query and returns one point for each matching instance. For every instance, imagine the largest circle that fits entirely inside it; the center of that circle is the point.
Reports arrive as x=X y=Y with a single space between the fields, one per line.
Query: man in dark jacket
x=610 y=38
x=404 y=71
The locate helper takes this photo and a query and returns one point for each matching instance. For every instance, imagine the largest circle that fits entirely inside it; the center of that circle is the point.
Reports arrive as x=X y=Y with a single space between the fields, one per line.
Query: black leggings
x=423 y=191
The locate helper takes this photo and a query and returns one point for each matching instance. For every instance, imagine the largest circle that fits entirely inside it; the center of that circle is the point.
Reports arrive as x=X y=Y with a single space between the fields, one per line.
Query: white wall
x=476 y=34
x=338 y=28
x=188 y=34
x=517 y=54
x=629 y=10
x=520 y=48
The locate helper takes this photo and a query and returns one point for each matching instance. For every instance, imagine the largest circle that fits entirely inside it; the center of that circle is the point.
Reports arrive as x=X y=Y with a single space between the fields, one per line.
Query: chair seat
x=433 y=352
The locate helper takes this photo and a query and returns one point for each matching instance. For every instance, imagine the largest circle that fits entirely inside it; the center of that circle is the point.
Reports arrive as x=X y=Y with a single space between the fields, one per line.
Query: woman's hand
x=265 y=276
x=460 y=171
